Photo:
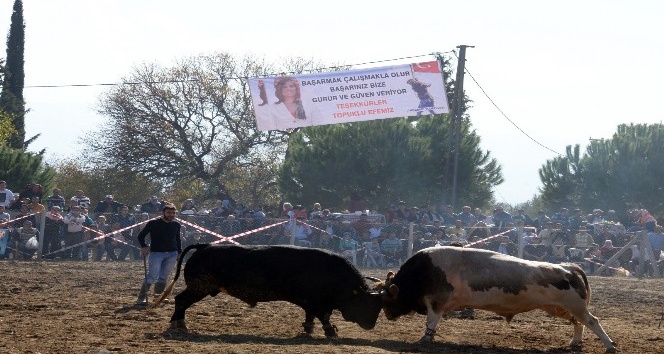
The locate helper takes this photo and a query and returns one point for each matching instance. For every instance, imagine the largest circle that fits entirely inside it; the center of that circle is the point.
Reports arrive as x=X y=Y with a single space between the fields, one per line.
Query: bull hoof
x=575 y=345
x=304 y=334
x=178 y=326
x=331 y=331
x=308 y=328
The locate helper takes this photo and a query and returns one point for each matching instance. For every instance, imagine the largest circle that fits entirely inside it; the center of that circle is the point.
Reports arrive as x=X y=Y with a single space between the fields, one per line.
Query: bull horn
x=373 y=278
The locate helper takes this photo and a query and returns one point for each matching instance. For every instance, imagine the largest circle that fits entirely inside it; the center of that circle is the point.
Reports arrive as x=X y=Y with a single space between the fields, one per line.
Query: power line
x=228 y=78
x=503 y=113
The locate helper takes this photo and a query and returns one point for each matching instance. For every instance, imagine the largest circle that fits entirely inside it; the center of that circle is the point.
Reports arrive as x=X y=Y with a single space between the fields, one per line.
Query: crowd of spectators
x=372 y=239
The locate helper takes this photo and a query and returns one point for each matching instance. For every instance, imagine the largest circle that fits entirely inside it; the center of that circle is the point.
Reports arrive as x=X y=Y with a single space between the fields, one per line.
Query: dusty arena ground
x=74 y=307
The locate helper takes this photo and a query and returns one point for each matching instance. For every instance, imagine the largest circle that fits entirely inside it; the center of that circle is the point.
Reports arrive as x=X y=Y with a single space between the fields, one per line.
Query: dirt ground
x=76 y=307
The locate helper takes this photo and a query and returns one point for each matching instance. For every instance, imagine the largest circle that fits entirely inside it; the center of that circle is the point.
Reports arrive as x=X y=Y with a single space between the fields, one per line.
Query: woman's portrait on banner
x=284 y=109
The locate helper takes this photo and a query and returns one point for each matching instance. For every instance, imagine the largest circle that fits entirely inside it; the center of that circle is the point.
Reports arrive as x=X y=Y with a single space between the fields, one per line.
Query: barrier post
x=42 y=227
x=411 y=226
x=519 y=233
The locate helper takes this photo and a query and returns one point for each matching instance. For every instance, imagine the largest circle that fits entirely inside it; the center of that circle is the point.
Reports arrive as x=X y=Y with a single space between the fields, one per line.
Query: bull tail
x=170 y=286
x=575 y=269
x=585 y=281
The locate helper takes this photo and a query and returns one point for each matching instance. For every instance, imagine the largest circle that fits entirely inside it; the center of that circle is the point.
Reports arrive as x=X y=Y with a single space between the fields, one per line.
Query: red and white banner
x=296 y=101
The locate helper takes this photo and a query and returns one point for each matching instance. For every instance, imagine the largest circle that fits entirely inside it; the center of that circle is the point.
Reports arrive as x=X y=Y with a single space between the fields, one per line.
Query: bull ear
x=394 y=290
x=390 y=275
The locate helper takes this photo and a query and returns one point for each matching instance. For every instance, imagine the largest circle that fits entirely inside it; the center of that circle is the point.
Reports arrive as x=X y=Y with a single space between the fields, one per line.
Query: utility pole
x=455 y=121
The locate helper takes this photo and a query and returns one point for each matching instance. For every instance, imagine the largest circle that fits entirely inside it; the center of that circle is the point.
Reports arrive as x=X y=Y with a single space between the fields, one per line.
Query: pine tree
x=11 y=97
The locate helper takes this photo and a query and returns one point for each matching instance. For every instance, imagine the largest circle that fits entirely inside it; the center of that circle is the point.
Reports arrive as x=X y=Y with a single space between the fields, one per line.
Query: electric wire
x=230 y=78
x=503 y=113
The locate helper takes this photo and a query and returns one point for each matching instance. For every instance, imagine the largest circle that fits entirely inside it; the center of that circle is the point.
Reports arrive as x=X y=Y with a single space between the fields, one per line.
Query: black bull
x=315 y=280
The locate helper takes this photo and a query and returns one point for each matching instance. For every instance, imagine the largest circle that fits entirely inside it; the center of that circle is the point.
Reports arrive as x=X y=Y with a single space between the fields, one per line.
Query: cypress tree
x=11 y=97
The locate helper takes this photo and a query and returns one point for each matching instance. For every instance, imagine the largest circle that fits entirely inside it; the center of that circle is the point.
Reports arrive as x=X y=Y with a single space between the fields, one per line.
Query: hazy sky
x=562 y=71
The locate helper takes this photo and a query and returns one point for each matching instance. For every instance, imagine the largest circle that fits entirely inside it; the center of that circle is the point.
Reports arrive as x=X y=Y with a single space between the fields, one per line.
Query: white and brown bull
x=438 y=280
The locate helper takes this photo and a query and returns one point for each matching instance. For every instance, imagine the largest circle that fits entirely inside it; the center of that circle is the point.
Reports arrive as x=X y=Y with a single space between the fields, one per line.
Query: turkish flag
x=428 y=67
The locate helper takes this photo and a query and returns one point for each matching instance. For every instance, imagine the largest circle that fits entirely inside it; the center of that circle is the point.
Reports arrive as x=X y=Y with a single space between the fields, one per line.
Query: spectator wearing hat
x=583 y=239
x=107 y=206
x=152 y=206
x=596 y=217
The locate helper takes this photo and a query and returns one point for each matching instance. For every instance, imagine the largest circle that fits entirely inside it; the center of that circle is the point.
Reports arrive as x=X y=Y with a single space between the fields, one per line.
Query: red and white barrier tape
x=231 y=238
x=104 y=236
x=484 y=240
x=17 y=219
x=221 y=238
x=334 y=236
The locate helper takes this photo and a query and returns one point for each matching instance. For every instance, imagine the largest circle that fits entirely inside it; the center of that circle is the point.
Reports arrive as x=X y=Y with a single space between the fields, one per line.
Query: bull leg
x=578 y=334
x=433 y=318
x=329 y=328
x=581 y=317
x=593 y=324
x=183 y=301
x=308 y=323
